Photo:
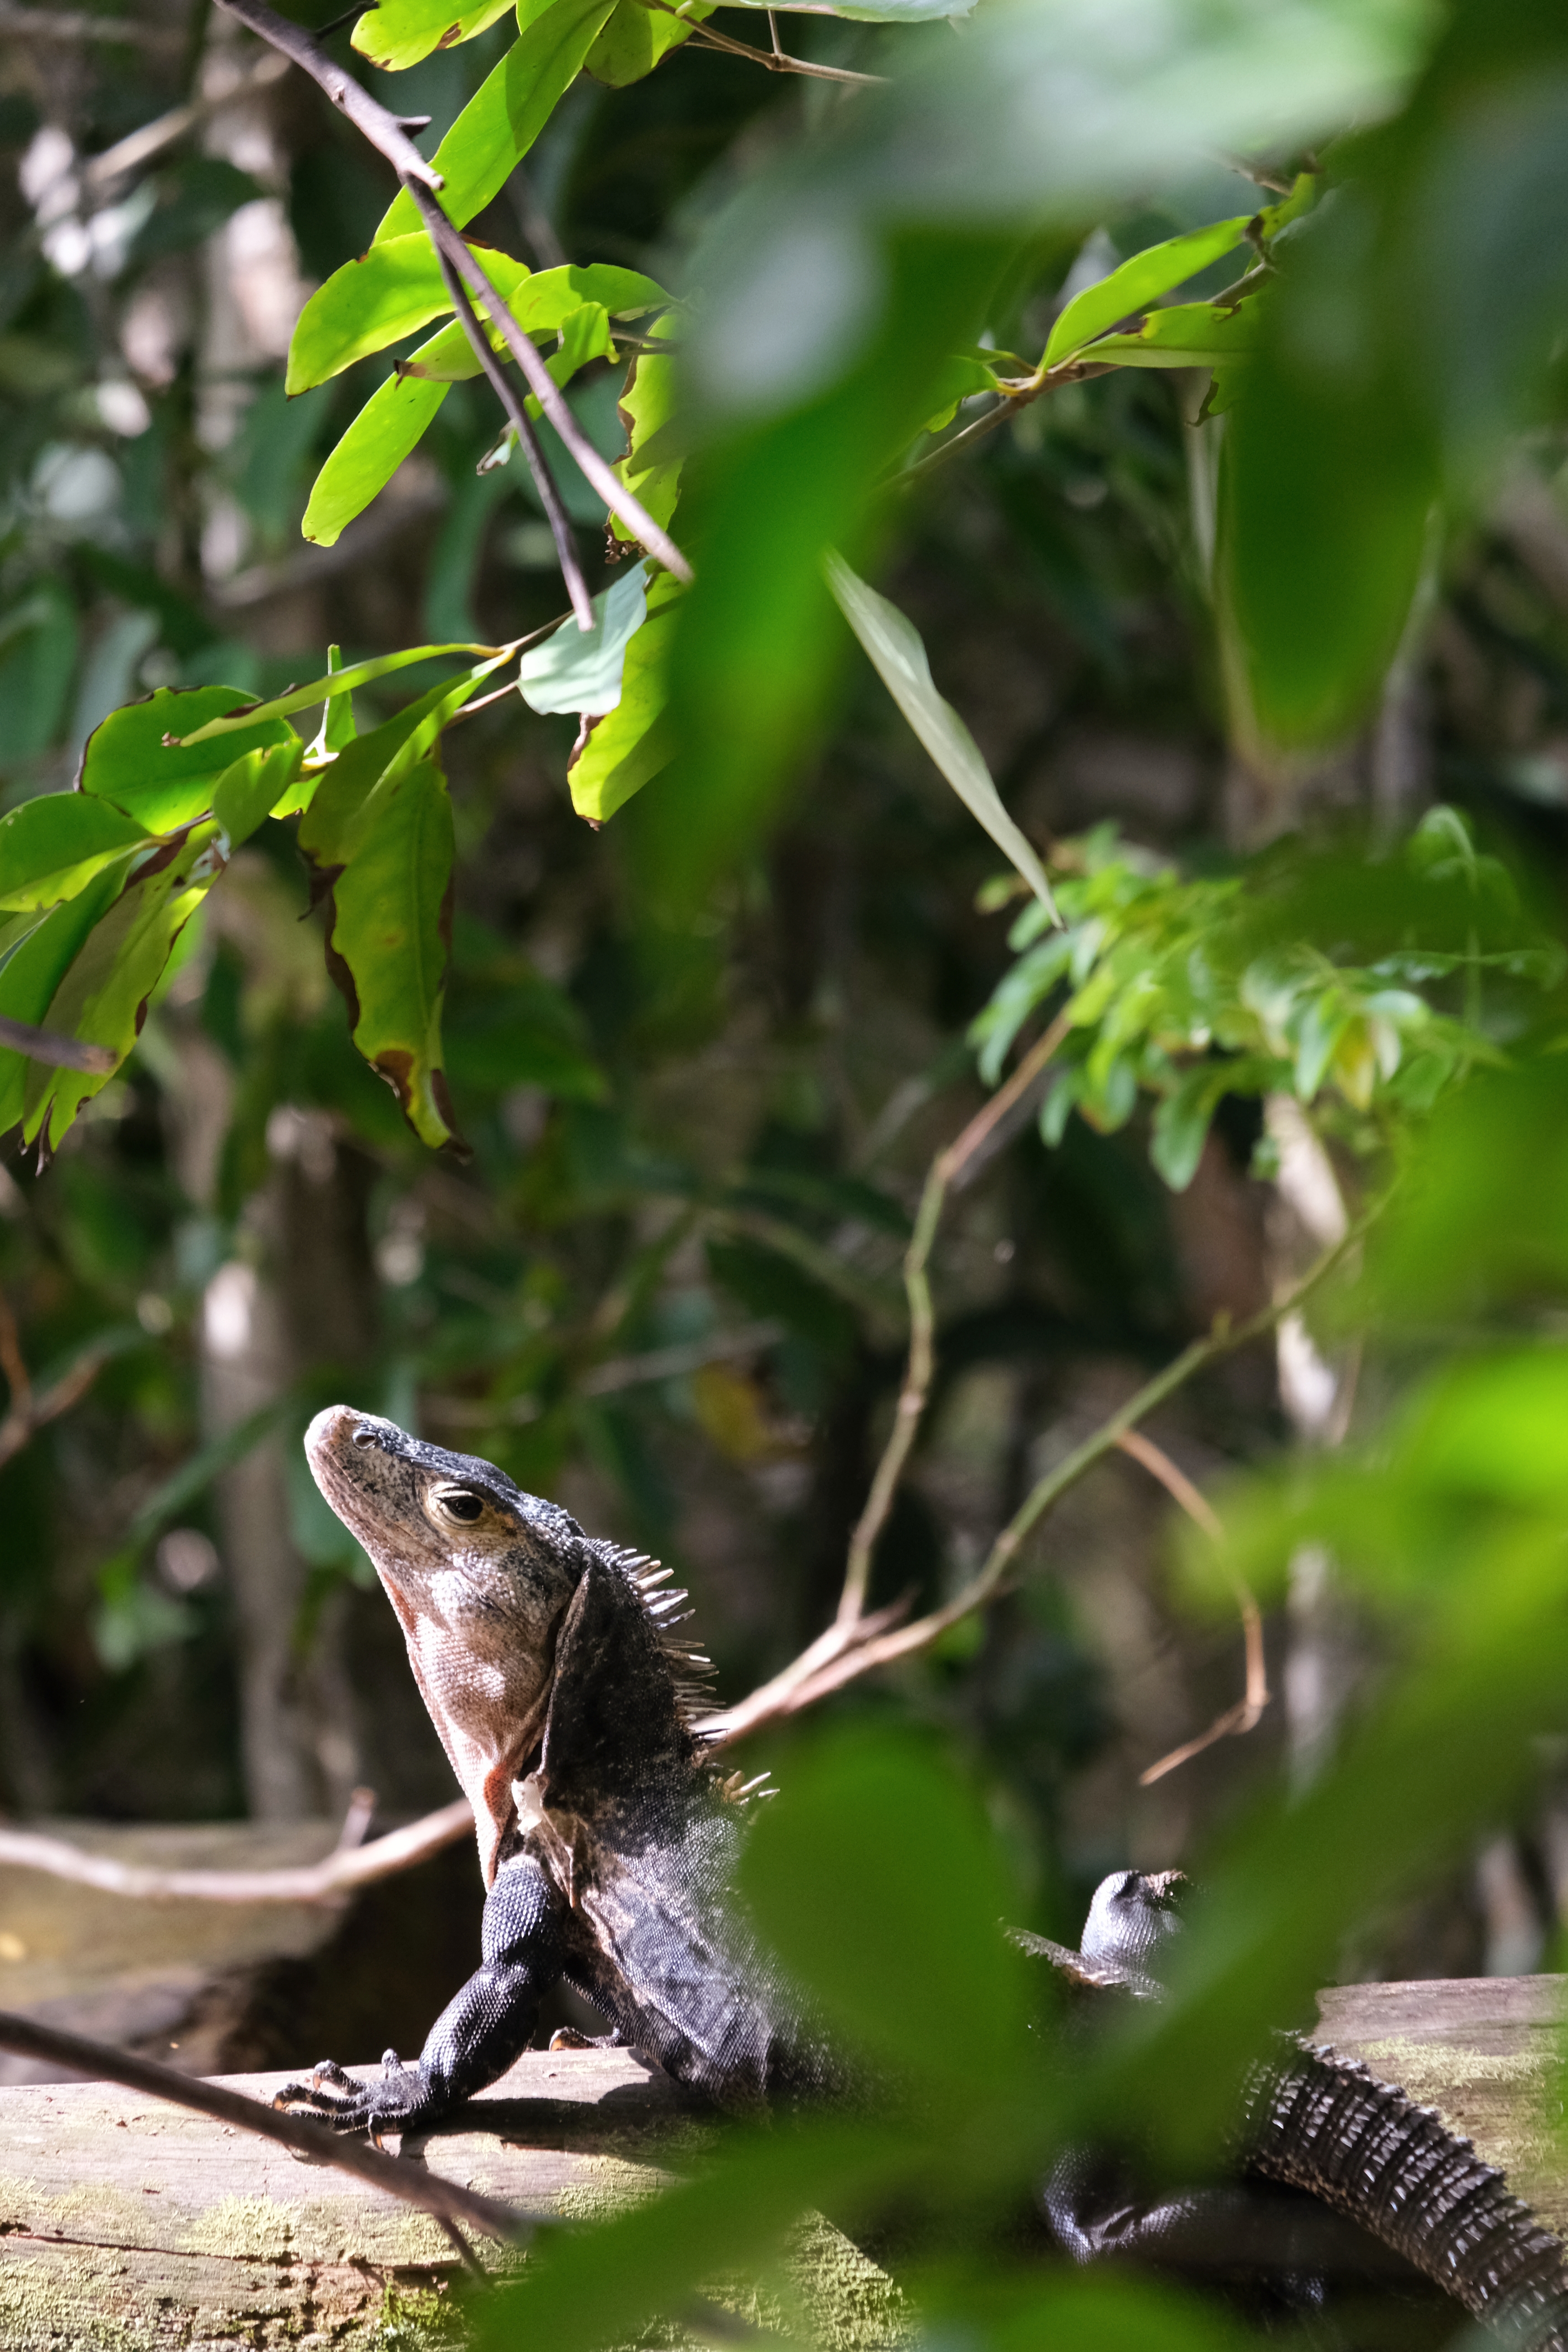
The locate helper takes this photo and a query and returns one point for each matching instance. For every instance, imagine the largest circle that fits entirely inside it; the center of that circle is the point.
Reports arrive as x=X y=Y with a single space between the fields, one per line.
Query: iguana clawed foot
x=397 y=2099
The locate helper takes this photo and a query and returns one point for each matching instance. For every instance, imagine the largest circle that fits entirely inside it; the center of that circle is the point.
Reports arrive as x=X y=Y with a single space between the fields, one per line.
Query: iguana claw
x=391 y=2100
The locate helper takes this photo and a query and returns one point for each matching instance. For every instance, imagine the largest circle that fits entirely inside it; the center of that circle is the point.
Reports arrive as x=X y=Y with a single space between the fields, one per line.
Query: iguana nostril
x=365 y=1434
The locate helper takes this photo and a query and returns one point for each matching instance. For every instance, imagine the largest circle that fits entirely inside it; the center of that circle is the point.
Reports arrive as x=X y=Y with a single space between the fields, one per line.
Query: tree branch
x=384 y=131
x=1249 y=1710
x=412 y=2183
x=29 y=1409
x=845 y=1652
x=543 y=384
x=1015 y=396
x=61 y=1052
x=319 y=1882
x=523 y=426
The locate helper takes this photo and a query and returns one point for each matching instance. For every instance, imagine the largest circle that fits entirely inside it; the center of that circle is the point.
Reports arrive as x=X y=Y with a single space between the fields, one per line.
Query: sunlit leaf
x=893 y=645
x=138 y=761
x=1139 y=282
x=52 y=846
x=388 y=429
x=1185 y=334
x=646 y=405
x=507 y=114
x=394 y=33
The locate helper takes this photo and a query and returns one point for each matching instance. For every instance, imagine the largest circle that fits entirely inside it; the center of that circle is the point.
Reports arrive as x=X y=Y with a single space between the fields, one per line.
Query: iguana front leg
x=477 y=2036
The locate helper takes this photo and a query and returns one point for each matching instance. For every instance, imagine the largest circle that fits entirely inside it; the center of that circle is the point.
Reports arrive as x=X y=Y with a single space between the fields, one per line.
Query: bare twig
x=1249 y=1710
x=947 y=1168
x=1015 y=395
x=521 y=423
x=543 y=384
x=29 y=1409
x=414 y=2184
x=385 y=131
x=319 y=1882
x=845 y=1653
x=140 y=146
x=61 y=1052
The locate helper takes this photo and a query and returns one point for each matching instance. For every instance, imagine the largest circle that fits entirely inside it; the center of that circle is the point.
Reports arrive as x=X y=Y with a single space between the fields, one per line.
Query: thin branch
x=521 y=423
x=860 y=1651
x=777 y=59
x=1014 y=397
x=29 y=1410
x=946 y=1170
x=138 y=147
x=345 y=1868
x=70 y=25
x=413 y=2184
x=543 y=384
x=384 y=131
x=60 y=1053
x=1249 y=1710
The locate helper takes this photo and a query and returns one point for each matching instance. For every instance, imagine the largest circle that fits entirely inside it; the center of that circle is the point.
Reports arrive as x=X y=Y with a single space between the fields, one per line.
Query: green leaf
x=507 y=114
x=637 y=37
x=327 y=828
x=34 y=970
x=340 y=681
x=580 y=670
x=1497 y=1427
x=1183 y=1120
x=144 y=759
x=893 y=646
x=1138 y=283
x=103 y=996
x=628 y=747
x=389 y=293
x=646 y=405
x=397 y=33
x=52 y=846
x=390 y=936
x=387 y=428
x=838 y=1875
x=249 y=791
x=1185 y=334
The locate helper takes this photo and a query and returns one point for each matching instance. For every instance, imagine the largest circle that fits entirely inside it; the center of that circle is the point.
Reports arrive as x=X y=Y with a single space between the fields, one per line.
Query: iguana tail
x=1325 y=2124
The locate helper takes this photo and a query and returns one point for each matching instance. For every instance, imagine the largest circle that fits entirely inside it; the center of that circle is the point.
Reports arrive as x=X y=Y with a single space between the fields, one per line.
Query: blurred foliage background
x=666 y=1288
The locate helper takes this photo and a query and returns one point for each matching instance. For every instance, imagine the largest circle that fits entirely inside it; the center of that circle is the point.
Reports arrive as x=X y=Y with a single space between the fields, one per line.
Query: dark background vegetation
x=726 y=1173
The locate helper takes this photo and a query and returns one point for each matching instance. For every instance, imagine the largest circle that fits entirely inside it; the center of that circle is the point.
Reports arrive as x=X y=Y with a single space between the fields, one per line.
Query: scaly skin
x=608 y=1845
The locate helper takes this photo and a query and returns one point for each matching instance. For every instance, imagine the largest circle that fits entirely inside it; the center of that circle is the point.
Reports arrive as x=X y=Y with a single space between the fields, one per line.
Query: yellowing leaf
x=398 y=33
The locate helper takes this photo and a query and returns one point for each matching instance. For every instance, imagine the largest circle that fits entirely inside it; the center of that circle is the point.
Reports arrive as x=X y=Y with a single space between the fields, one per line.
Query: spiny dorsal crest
x=692 y=1667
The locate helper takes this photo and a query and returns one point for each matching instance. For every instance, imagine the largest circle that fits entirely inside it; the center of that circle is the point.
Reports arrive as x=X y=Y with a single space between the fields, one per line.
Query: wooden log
x=125 y=2224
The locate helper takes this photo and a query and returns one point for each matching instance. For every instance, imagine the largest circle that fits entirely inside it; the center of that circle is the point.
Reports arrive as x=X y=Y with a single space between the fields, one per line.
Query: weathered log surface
x=124 y=2221
x=127 y=2224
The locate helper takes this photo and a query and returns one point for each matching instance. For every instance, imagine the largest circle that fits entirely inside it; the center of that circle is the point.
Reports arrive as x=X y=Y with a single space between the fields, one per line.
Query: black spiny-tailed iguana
x=554 y=1671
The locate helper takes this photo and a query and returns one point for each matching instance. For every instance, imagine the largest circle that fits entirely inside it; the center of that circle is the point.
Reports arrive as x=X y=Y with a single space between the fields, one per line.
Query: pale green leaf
x=628 y=747
x=579 y=669
x=893 y=646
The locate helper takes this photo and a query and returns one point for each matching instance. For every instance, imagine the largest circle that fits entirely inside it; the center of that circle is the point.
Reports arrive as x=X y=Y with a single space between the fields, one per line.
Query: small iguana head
x=1133 y=1915
x=481 y=1575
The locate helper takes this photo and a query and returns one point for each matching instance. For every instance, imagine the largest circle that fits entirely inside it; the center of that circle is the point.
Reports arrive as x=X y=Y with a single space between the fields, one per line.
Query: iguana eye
x=460 y=1502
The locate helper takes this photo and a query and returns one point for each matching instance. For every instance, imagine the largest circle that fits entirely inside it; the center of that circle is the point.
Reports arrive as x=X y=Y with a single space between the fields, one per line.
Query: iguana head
x=481 y=1575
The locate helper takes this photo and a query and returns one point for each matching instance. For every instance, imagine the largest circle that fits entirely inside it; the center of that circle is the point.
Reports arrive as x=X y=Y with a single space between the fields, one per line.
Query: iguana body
x=607 y=1839
x=552 y=1670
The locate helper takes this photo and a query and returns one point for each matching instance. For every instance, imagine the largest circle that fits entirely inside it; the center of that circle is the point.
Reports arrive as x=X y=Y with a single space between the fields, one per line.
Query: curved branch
x=385 y=131
x=319 y=1882
x=859 y=1650
x=411 y=2183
